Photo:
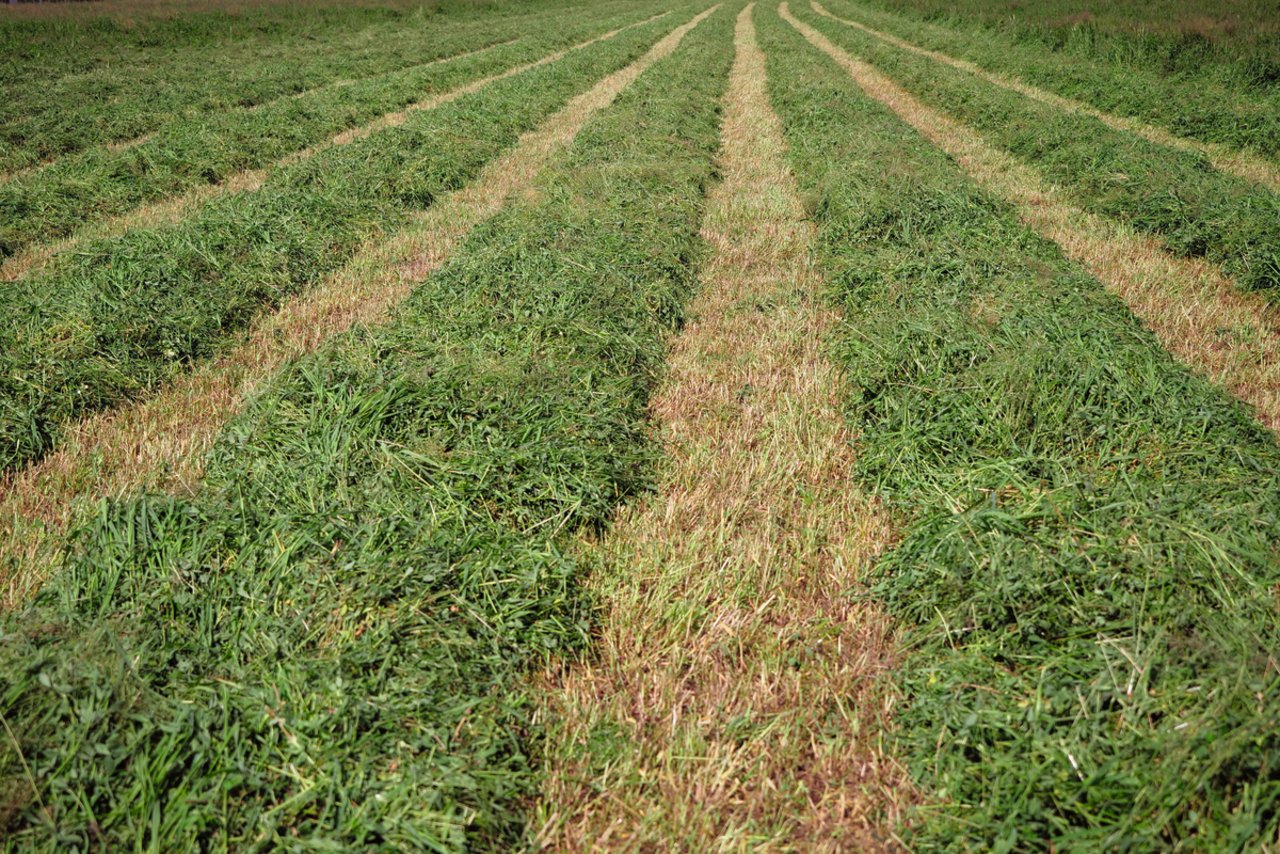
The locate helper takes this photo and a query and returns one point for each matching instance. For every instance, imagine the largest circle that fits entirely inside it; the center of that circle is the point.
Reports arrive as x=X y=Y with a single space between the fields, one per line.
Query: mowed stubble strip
x=31 y=257
x=1238 y=163
x=160 y=443
x=1199 y=315
x=734 y=692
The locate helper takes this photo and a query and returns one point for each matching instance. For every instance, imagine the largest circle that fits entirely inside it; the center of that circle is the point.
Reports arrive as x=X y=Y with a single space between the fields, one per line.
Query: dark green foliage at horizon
x=1233 y=103
x=1088 y=562
x=1175 y=196
x=125 y=314
x=191 y=152
x=326 y=646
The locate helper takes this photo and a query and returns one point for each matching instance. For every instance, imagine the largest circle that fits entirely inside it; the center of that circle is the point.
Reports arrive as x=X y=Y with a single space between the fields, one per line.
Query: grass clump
x=1175 y=196
x=1087 y=563
x=325 y=645
x=123 y=314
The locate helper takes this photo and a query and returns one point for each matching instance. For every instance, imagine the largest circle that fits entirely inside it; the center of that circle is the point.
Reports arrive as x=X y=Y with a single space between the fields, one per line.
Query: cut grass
x=1225 y=159
x=1236 y=41
x=1088 y=559
x=160 y=443
x=109 y=180
x=733 y=698
x=125 y=314
x=326 y=645
x=1230 y=337
x=174 y=208
x=1229 y=95
x=51 y=41
x=128 y=80
x=1175 y=196
x=193 y=153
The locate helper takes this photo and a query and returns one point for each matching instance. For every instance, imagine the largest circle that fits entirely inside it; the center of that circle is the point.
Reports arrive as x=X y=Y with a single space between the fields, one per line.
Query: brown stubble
x=737 y=676
x=1239 y=163
x=160 y=443
x=1198 y=314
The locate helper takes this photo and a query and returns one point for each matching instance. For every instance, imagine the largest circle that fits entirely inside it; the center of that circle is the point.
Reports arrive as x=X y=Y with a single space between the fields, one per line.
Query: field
x=640 y=424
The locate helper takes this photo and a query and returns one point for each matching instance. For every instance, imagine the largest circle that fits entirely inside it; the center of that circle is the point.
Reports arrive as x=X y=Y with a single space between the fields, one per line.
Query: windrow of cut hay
x=1176 y=196
x=1228 y=159
x=1087 y=565
x=159 y=442
x=1225 y=98
x=124 y=314
x=194 y=152
x=83 y=82
x=1196 y=311
x=326 y=644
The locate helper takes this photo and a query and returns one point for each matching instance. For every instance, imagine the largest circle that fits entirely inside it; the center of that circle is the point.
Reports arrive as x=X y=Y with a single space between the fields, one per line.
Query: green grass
x=1178 y=83
x=76 y=81
x=1176 y=196
x=55 y=42
x=119 y=81
x=123 y=315
x=191 y=152
x=326 y=642
x=1238 y=40
x=1087 y=562
x=325 y=647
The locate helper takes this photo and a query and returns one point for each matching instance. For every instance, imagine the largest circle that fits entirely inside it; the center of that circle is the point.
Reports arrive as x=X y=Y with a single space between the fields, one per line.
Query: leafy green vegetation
x=324 y=647
x=123 y=314
x=1174 y=195
x=209 y=148
x=1088 y=564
